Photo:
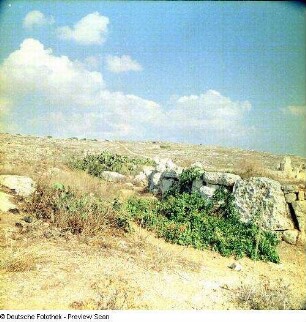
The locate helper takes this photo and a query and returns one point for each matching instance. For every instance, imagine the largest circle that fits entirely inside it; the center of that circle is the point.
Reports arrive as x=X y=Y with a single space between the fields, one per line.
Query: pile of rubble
x=274 y=207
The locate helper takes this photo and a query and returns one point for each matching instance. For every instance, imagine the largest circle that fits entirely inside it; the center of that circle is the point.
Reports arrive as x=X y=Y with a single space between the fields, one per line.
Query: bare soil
x=43 y=269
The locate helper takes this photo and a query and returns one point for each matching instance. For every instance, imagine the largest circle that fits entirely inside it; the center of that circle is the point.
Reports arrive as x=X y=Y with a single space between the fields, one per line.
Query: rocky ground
x=44 y=268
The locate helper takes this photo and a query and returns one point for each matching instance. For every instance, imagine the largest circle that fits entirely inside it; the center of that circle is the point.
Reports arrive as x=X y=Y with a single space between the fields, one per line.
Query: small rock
x=290 y=236
x=207 y=192
x=301 y=195
x=290 y=197
x=236 y=267
x=14 y=211
x=19 y=225
x=28 y=219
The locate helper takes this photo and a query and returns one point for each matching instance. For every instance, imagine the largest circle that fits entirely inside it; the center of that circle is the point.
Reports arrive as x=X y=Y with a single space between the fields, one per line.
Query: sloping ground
x=21 y=150
x=132 y=271
x=42 y=269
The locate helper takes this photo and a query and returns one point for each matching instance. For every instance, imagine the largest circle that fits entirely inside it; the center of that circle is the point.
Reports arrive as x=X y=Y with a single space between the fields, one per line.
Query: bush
x=106 y=161
x=186 y=218
x=265 y=296
x=69 y=211
x=184 y=184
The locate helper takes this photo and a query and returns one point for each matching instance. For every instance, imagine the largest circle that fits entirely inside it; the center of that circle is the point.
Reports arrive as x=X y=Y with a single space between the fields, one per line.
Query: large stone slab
x=262 y=200
x=220 y=178
x=112 y=176
x=299 y=208
x=166 y=184
x=23 y=186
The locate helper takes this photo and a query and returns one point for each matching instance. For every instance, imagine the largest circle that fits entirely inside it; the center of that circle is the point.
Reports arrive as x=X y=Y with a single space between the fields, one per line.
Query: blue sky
x=217 y=73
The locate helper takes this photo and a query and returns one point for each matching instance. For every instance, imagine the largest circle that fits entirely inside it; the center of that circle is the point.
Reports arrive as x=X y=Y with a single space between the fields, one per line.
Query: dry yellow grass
x=13 y=260
x=114 y=270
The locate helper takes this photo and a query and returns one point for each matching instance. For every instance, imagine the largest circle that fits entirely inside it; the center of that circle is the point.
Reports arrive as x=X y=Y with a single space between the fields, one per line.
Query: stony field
x=45 y=266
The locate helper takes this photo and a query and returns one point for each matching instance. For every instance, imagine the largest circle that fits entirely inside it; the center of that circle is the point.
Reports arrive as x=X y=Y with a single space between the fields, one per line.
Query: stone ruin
x=276 y=207
x=290 y=172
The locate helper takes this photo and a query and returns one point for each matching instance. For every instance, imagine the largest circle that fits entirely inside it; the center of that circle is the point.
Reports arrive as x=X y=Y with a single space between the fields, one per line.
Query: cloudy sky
x=216 y=73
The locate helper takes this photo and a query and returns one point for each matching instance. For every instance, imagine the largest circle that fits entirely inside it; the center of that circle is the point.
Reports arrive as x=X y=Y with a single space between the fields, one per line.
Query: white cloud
x=295 y=110
x=71 y=100
x=117 y=64
x=36 y=18
x=90 y=30
x=33 y=68
x=208 y=112
x=65 y=85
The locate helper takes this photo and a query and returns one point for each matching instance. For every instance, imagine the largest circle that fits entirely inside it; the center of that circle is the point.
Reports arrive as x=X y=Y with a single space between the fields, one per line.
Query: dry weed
x=265 y=296
x=18 y=261
x=157 y=257
x=113 y=293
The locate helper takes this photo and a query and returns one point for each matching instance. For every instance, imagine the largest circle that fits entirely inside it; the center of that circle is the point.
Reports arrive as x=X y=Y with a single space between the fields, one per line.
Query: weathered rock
x=236 y=267
x=207 y=192
x=290 y=188
x=301 y=196
x=113 y=176
x=262 y=200
x=220 y=178
x=286 y=166
x=164 y=164
x=6 y=205
x=196 y=185
x=299 y=208
x=141 y=178
x=23 y=186
x=170 y=174
x=28 y=219
x=290 y=197
x=290 y=236
x=166 y=184
x=147 y=170
x=154 y=181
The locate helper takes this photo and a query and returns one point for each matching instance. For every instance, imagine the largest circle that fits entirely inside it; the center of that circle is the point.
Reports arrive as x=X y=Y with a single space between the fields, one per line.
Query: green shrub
x=190 y=219
x=184 y=184
x=106 y=161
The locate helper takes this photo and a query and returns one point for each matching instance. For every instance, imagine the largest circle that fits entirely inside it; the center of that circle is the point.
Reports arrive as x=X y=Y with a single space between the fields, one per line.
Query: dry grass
x=114 y=293
x=73 y=212
x=251 y=168
x=151 y=255
x=18 y=261
x=266 y=296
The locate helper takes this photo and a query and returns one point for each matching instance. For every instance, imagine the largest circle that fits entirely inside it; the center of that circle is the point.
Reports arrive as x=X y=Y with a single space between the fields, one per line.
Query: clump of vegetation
x=106 y=161
x=18 y=261
x=186 y=218
x=265 y=296
x=165 y=146
x=184 y=184
x=72 y=212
